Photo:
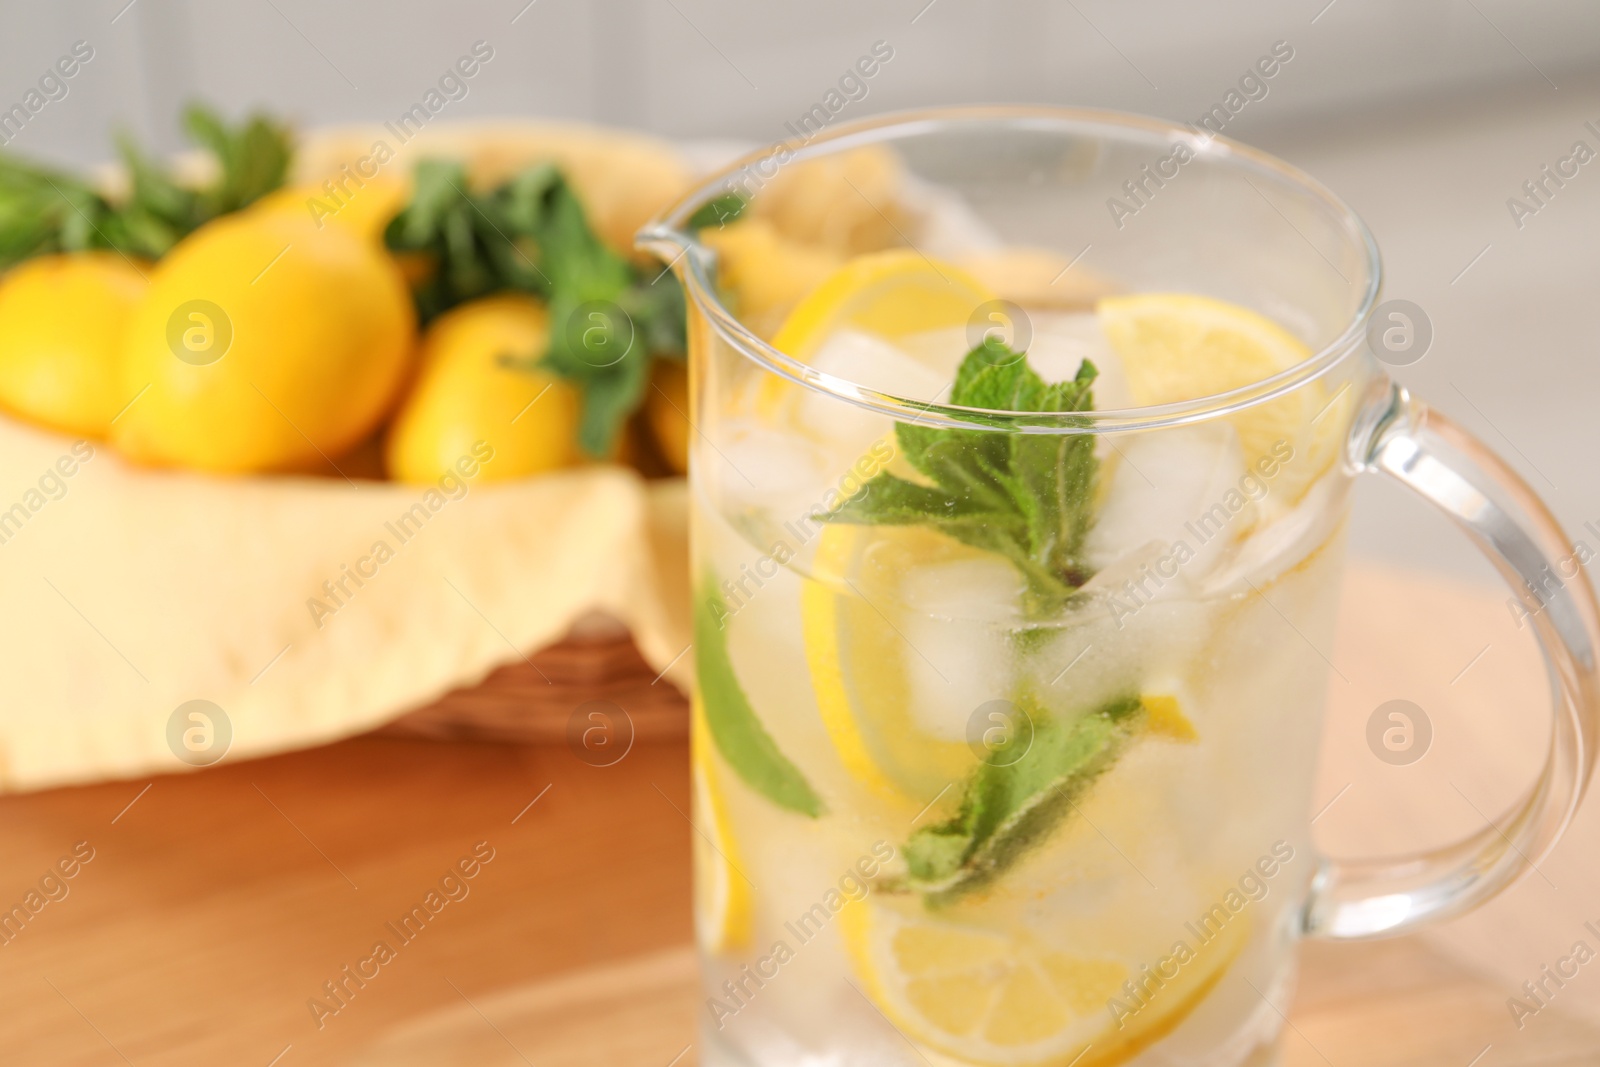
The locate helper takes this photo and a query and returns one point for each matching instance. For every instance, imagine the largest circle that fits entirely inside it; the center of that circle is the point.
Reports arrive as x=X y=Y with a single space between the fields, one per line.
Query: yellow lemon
x=723 y=902
x=61 y=323
x=1164 y=717
x=854 y=622
x=998 y=997
x=767 y=272
x=263 y=343
x=848 y=201
x=465 y=393
x=666 y=409
x=891 y=294
x=857 y=654
x=1178 y=346
x=365 y=208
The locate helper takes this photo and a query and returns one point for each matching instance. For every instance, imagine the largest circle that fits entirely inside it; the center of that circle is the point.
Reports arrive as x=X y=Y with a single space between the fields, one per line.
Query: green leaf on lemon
x=733 y=723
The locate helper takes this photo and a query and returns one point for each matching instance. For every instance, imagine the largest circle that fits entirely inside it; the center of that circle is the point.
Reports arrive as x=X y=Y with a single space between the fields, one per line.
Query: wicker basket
x=537 y=701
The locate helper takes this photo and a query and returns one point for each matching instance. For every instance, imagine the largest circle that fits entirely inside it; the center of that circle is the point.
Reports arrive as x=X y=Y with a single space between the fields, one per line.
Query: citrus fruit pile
x=235 y=313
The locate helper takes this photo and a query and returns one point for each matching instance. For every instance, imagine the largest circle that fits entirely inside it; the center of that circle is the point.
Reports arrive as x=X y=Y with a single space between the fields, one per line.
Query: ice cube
x=760 y=464
x=1177 y=488
x=876 y=363
x=1058 y=343
x=1118 y=642
x=1283 y=541
x=1062 y=340
x=941 y=351
x=957 y=617
x=845 y=430
x=950 y=226
x=979 y=586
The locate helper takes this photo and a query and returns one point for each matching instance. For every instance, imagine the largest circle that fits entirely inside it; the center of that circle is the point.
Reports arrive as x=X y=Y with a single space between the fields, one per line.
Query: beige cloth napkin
x=128 y=592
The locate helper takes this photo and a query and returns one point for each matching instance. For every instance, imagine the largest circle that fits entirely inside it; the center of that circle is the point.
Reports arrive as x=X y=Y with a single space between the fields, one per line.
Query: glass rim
x=669 y=236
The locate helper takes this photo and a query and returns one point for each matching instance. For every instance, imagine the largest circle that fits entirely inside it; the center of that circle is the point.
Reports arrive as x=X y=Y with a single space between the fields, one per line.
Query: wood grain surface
x=218 y=903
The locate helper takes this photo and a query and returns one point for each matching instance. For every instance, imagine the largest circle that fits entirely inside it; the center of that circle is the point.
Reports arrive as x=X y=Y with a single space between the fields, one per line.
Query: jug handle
x=1435 y=458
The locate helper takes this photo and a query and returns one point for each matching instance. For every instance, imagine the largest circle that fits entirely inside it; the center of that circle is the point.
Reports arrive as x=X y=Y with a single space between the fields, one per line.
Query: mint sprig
x=1028 y=497
x=1017 y=796
x=1025 y=496
x=44 y=210
x=607 y=319
x=530 y=234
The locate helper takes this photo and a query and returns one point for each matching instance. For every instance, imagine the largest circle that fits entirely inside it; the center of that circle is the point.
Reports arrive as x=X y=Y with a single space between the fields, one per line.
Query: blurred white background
x=1426 y=115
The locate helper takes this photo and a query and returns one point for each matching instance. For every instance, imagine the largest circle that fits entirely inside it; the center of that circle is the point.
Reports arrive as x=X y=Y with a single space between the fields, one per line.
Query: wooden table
x=218 y=903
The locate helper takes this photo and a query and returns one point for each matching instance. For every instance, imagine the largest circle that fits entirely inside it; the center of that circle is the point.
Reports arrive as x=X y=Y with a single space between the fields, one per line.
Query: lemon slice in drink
x=860 y=659
x=997 y=998
x=1178 y=346
x=722 y=896
x=889 y=295
x=892 y=294
x=855 y=655
x=1164 y=717
x=865 y=620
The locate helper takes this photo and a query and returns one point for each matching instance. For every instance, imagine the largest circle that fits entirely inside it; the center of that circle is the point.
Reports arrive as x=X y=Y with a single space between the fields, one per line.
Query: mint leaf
x=1016 y=797
x=1056 y=476
x=605 y=319
x=573 y=259
x=610 y=392
x=733 y=723
x=1027 y=497
x=43 y=210
x=718 y=211
x=476 y=245
x=890 y=501
x=253 y=158
x=530 y=234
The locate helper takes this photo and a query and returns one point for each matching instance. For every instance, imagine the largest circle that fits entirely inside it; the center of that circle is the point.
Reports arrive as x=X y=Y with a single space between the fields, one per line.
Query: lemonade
x=1001 y=741
x=1016 y=528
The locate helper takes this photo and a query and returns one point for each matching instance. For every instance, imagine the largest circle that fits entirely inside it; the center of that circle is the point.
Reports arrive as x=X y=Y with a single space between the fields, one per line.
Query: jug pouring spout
x=666 y=242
